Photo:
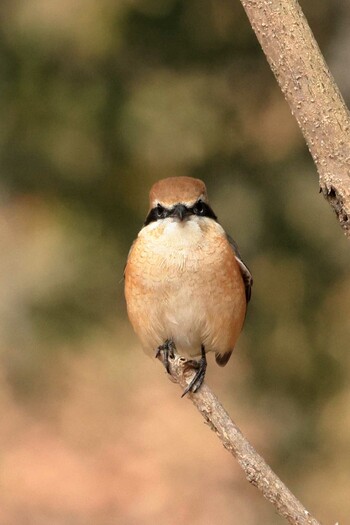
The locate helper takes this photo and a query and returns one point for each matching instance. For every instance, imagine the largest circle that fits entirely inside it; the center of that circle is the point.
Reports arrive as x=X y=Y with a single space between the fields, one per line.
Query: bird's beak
x=180 y=211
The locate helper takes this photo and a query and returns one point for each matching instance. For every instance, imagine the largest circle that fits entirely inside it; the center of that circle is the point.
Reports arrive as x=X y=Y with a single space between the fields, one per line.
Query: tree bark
x=256 y=470
x=311 y=93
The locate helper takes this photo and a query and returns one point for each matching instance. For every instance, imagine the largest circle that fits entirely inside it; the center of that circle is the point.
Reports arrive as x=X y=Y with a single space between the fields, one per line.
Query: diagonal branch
x=311 y=92
x=255 y=468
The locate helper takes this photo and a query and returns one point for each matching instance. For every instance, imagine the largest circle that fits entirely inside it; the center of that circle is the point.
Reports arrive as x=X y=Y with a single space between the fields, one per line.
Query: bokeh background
x=99 y=99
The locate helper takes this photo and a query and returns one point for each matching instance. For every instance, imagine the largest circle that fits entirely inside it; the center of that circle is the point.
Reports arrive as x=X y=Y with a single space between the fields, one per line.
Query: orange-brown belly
x=192 y=293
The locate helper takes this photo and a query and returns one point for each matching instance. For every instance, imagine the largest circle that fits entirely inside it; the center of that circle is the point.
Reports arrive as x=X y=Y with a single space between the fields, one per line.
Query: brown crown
x=174 y=190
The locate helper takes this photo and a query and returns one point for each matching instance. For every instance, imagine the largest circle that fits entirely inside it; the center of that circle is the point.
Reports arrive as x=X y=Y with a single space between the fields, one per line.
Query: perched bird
x=186 y=285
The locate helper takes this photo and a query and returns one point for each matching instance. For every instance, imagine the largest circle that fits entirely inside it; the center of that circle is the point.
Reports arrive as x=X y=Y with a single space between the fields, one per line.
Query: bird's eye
x=198 y=208
x=160 y=211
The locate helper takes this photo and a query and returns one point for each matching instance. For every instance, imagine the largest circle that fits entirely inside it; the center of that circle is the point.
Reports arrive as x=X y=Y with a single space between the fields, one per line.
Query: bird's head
x=179 y=198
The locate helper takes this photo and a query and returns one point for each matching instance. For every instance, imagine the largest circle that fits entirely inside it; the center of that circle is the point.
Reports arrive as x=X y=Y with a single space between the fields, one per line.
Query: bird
x=186 y=285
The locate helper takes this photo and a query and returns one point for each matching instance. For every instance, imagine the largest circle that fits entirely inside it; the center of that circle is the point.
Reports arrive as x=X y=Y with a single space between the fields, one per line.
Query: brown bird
x=185 y=282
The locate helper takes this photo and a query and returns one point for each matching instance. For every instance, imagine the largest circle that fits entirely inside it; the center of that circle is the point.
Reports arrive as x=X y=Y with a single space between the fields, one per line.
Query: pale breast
x=183 y=283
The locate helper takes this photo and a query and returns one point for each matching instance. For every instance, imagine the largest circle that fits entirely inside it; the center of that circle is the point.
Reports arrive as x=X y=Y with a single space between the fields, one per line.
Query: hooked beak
x=180 y=211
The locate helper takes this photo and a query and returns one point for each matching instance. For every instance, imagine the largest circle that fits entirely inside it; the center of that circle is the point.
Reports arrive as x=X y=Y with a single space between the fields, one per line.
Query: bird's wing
x=246 y=275
x=222 y=359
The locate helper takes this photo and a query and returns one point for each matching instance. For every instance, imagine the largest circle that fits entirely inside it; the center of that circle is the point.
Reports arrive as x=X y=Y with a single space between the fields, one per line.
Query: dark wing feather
x=222 y=359
x=246 y=275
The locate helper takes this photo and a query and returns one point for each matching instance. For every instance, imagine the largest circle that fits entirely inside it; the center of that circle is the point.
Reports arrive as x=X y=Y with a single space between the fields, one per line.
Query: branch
x=311 y=93
x=256 y=470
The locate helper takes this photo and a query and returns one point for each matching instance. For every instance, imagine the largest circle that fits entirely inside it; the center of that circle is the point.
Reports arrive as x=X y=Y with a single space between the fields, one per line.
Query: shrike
x=186 y=285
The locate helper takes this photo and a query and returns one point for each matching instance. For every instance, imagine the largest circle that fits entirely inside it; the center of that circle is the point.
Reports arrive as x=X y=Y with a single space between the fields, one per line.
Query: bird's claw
x=166 y=351
x=197 y=380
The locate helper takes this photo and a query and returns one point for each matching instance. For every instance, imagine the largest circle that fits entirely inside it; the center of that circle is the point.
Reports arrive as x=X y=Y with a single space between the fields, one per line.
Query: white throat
x=177 y=234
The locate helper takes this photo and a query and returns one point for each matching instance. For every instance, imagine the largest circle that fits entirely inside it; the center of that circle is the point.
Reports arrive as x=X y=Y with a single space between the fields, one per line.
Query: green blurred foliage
x=102 y=98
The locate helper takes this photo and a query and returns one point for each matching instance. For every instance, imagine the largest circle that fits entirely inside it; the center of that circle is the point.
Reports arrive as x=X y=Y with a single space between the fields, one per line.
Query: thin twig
x=311 y=92
x=257 y=471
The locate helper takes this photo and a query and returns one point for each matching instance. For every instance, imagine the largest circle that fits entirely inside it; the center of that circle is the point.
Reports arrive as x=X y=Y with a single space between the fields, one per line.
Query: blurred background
x=99 y=99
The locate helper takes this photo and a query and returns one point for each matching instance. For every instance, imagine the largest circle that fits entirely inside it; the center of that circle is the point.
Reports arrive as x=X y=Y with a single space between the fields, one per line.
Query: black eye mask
x=201 y=209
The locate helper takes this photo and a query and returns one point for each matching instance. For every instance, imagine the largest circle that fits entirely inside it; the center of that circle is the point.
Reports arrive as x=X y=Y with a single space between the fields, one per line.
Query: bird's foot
x=198 y=378
x=166 y=351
